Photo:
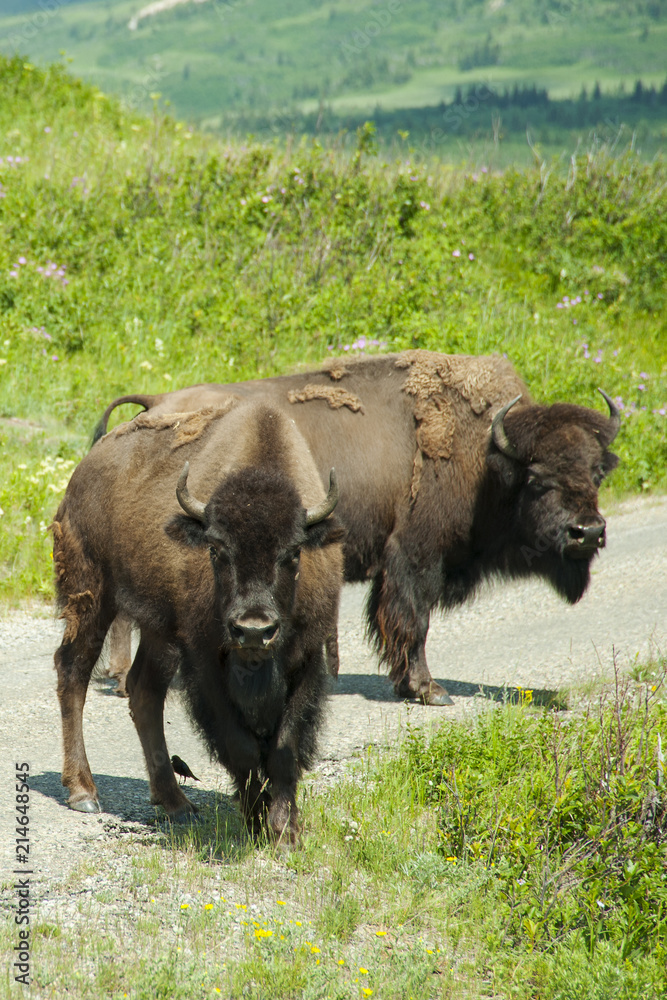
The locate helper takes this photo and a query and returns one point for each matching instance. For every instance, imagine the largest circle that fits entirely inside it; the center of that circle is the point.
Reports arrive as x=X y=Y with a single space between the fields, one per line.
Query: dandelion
x=363 y=971
x=380 y=933
x=367 y=992
x=341 y=961
x=208 y=906
x=315 y=950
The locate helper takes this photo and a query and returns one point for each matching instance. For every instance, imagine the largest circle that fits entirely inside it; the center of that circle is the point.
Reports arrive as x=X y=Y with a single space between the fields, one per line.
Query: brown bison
x=237 y=583
x=449 y=475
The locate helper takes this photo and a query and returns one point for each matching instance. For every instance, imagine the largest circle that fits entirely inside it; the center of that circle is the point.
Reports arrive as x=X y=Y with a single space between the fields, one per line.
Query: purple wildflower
x=641 y=387
x=47 y=129
x=600 y=295
x=471 y=256
x=456 y=253
x=22 y=260
x=643 y=374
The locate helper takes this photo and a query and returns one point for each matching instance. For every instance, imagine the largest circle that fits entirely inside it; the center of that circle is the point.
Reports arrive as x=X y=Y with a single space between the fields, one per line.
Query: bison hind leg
x=87 y=620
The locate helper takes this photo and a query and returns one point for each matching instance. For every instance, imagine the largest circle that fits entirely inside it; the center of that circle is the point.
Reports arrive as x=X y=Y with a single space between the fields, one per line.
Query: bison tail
x=101 y=428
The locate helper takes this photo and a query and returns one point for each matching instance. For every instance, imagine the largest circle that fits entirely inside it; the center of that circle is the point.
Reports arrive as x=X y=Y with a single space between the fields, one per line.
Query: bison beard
x=241 y=591
x=449 y=474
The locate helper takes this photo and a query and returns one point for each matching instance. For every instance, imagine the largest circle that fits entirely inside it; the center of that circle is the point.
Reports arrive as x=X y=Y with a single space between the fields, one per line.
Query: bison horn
x=195 y=508
x=326 y=507
x=614 y=416
x=500 y=438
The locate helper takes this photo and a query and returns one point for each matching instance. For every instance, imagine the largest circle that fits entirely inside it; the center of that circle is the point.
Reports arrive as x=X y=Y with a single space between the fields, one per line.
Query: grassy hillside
x=136 y=255
x=216 y=59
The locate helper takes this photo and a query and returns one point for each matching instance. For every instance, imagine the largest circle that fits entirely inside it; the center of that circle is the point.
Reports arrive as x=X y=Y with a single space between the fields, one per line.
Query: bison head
x=255 y=527
x=553 y=459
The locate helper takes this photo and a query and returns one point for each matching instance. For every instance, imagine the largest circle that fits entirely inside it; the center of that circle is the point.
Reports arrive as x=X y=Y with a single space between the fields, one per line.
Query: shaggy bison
x=236 y=582
x=449 y=474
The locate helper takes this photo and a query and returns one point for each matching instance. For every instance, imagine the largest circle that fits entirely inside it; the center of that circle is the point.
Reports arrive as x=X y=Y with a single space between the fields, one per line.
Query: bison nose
x=251 y=634
x=588 y=536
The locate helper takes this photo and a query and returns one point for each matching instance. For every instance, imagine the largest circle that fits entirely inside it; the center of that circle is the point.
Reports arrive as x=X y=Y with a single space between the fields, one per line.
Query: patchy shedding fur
x=188 y=426
x=78 y=605
x=429 y=376
x=335 y=369
x=335 y=396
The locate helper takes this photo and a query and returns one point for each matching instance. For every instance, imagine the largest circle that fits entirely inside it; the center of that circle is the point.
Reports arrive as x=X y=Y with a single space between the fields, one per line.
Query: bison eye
x=536 y=486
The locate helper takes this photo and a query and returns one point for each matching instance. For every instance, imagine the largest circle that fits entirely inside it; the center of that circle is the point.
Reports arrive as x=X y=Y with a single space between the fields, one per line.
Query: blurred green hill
x=221 y=62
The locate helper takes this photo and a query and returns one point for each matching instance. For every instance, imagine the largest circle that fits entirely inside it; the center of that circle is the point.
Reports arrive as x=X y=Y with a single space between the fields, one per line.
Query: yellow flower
x=281 y=902
x=315 y=950
x=366 y=991
x=380 y=933
x=298 y=923
x=341 y=961
x=209 y=906
x=363 y=971
x=184 y=906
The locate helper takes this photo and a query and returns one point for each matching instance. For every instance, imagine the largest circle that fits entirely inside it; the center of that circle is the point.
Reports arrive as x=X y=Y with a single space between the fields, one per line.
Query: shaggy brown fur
x=335 y=396
x=188 y=426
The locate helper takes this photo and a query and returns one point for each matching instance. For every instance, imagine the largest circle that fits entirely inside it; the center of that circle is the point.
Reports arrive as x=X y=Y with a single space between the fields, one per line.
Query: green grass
x=136 y=255
x=519 y=855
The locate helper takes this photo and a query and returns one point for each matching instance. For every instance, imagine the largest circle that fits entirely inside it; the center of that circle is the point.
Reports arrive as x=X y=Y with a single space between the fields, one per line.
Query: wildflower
x=380 y=933
x=363 y=971
x=366 y=991
x=167 y=376
x=341 y=961
x=471 y=256
x=315 y=950
x=643 y=374
x=146 y=364
x=425 y=205
x=22 y=260
x=281 y=902
x=208 y=906
x=600 y=295
x=185 y=906
x=641 y=387
x=456 y=253
x=47 y=129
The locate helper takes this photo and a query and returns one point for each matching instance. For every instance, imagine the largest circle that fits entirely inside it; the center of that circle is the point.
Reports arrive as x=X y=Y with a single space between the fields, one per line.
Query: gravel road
x=518 y=634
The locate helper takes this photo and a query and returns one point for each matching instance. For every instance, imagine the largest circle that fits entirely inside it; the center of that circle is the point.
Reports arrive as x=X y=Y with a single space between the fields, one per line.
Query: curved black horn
x=500 y=438
x=326 y=507
x=195 y=508
x=614 y=415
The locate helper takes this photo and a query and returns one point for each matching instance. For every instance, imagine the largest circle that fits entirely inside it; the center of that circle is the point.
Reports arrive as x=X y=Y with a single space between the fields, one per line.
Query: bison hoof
x=435 y=695
x=85 y=805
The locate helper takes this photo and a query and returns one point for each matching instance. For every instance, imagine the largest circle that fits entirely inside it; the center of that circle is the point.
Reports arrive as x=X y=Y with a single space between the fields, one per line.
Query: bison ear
x=609 y=462
x=508 y=470
x=187 y=531
x=326 y=532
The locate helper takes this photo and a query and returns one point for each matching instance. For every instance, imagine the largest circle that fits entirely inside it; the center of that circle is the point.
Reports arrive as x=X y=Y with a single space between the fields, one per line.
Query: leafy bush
x=571 y=814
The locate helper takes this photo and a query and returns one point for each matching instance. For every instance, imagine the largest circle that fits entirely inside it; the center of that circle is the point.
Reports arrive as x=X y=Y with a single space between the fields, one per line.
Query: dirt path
x=512 y=635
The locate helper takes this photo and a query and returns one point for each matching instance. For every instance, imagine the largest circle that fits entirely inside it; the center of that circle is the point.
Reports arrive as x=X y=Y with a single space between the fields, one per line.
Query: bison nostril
x=270 y=632
x=576 y=532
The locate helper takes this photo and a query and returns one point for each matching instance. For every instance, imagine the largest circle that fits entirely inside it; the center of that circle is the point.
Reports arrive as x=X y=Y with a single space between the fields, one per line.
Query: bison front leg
x=293 y=749
x=398 y=610
x=147 y=684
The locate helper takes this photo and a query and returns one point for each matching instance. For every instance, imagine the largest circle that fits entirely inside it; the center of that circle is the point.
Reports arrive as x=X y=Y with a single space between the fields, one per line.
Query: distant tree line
x=474 y=110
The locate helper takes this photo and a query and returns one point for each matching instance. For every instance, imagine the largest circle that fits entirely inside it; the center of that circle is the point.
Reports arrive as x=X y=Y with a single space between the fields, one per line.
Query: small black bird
x=180 y=767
